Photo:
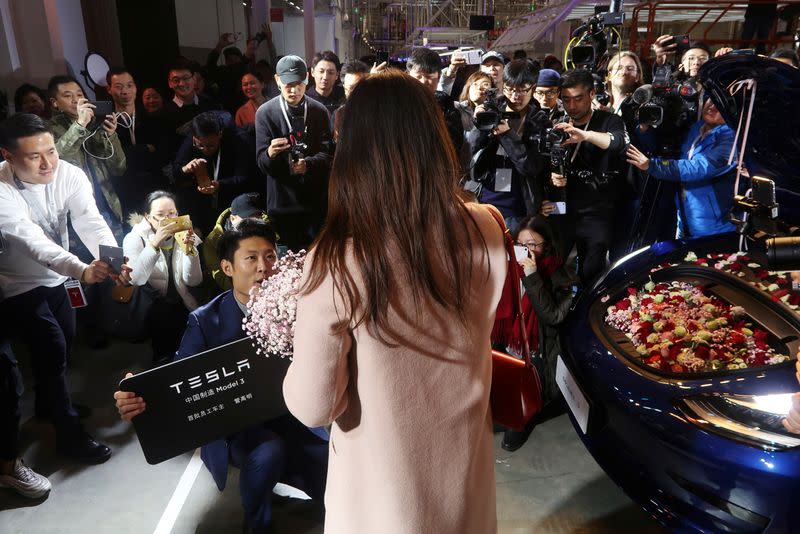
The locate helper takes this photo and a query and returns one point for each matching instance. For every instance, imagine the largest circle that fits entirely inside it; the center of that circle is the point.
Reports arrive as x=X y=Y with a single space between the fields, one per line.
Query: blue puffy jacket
x=706 y=181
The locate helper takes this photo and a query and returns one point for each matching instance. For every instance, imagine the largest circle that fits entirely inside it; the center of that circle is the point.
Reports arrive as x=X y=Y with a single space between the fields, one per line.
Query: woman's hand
x=162 y=233
x=548 y=208
x=529 y=265
x=637 y=158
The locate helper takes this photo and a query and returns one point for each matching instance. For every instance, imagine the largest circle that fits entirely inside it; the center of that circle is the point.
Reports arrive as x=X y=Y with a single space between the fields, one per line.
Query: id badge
x=75 y=293
x=502 y=180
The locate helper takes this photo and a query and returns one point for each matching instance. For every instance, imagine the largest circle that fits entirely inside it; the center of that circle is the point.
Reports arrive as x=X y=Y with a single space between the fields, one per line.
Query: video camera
x=493 y=113
x=769 y=239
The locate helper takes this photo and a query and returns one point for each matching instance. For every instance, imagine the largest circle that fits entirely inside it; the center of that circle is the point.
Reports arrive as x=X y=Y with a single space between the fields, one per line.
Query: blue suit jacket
x=214 y=324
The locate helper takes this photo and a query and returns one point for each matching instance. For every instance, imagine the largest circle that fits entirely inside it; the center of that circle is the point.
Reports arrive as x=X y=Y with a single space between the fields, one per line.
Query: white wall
x=73 y=35
x=201 y=22
x=289 y=35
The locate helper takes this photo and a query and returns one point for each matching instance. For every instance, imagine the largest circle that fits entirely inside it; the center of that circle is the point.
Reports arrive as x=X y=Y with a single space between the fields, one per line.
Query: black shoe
x=513 y=440
x=83 y=447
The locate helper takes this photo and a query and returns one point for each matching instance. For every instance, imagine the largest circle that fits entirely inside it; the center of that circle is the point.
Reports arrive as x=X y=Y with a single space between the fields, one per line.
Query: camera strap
x=284 y=109
x=578 y=146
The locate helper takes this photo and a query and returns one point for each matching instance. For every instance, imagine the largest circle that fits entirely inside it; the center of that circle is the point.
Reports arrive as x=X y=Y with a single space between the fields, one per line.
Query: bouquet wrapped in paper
x=273 y=307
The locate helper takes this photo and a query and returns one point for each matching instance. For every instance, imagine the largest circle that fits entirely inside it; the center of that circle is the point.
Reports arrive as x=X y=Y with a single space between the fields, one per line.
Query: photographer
x=546 y=94
x=212 y=167
x=506 y=159
x=593 y=172
x=691 y=60
x=293 y=148
x=704 y=177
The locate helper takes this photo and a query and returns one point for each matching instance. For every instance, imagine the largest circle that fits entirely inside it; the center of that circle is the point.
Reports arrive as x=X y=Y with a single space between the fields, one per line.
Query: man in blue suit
x=281 y=449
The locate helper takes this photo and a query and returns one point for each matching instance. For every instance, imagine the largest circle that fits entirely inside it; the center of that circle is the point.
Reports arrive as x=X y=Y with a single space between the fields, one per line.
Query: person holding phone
x=165 y=268
x=546 y=302
x=41 y=284
x=89 y=142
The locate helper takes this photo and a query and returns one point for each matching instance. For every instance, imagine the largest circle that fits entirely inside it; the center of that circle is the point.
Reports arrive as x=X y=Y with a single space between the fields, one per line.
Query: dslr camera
x=298 y=149
x=492 y=114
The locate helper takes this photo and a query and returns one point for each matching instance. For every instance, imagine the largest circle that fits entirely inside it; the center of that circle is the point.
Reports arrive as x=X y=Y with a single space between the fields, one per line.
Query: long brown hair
x=394 y=187
x=474 y=77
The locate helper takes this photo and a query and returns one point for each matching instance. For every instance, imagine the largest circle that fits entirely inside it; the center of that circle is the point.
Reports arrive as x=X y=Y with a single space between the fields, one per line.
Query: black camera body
x=298 y=150
x=493 y=113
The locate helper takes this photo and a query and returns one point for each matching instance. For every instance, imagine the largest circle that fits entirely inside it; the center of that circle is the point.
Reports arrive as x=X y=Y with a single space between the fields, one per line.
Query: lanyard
x=578 y=146
x=284 y=108
x=46 y=218
x=132 y=128
x=694 y=144
x=216 y=166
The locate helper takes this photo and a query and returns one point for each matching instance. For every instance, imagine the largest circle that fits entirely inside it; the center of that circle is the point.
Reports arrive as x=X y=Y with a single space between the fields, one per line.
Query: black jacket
x=452 y=118
x=523 y=153
x=287 y=193
x=551 y=300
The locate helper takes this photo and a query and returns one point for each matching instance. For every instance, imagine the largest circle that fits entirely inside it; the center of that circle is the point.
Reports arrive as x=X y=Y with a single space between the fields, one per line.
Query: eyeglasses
x=551 y=92
x=629 y=68
x=531 y=245
x=516 y=90
x=178 y=79
x=702 y=58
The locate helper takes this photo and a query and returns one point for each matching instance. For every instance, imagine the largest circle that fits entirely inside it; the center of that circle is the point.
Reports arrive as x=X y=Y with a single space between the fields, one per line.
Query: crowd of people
x=384 y=174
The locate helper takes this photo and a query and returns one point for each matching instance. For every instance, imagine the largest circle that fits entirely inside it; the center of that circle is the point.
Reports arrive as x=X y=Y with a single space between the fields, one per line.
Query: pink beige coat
x=411 y=447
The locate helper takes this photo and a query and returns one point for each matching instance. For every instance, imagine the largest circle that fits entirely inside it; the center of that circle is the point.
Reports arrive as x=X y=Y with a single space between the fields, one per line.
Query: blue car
x=702 y=449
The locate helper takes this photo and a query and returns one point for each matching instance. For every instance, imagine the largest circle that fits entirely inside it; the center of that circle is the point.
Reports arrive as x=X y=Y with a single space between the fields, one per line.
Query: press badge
x=75 y=293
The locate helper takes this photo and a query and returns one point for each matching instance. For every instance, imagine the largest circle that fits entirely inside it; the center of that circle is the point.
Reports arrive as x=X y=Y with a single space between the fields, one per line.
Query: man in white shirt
x=37 y=192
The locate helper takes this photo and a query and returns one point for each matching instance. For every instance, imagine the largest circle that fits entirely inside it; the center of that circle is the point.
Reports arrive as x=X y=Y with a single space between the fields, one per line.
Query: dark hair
x=254 y=73
x=155 y=195
x=577 y=77
x=518 y=73
x=552 y=62
x=229 y=242
x=24 y=90
x=206 y=123
x=354 y=67
x=780 y=53
x=182 y=64
x=425 y=60
x=697 y=44
x=520 y=54
x=60 y=79
x=327 y=55
x=19 y=126
x=116 y=71
x=540 y=225
x=420 y=179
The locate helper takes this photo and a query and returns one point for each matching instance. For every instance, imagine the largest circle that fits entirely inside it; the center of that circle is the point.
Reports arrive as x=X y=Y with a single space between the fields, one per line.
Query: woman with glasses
x=547 y=299
x=165 y=268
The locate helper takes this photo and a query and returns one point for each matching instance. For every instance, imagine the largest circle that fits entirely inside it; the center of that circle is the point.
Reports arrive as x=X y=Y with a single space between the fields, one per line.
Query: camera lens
x=783 y=253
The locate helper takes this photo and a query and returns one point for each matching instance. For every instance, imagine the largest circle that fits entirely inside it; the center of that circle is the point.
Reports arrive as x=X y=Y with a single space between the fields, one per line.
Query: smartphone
x=520 y=252
x=473 y=57
x=113 y=256
x=184 y=222
x=102 y=108
x=561 y=208
x=683 y=43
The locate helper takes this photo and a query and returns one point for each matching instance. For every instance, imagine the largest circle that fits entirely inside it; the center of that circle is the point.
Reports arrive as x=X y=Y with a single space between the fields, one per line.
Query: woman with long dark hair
x=393 y=323
x=546 y=302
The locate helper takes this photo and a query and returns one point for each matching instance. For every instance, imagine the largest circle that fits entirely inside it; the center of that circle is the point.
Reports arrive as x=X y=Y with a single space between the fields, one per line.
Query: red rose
x=760 y=335
x=776 y=295
x=654 y=359
x=677 y=368
x=661 y=287
x=674 y=350
x=632 y=291
x=677 y=298
x=761 y=345
x=761 y=273
x=692 y=326
x=735 y=267
x=647 y=301
x=737 y=338
x=794 y=300
x=702 y=261
x=701 y=351
x=782 y=281
x=623 y=304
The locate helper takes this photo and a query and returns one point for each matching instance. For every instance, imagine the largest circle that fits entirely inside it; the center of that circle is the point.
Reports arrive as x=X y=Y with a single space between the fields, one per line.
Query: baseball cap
x=493 y=55
x=291 y=69
x=247 y=205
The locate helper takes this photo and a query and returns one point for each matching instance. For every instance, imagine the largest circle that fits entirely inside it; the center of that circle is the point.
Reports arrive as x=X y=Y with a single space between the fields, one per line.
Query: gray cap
x=493 y=55
x=291 y=69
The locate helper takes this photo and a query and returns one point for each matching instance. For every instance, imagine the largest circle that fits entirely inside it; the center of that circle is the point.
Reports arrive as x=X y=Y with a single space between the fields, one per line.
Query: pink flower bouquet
x=273 y=307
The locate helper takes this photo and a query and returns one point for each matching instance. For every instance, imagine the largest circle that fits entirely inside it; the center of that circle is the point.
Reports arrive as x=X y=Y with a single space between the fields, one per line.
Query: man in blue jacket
x=705 y=178
x=279 y=450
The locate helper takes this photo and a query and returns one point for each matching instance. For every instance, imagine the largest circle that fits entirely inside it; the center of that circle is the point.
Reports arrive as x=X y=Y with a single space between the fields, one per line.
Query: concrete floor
x=551 y=485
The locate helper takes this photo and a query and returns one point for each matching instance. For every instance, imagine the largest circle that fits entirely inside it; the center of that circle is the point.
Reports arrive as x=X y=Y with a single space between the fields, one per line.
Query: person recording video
x=595 y=142
x=506 y=160
x=704 y=176
x=294 y=150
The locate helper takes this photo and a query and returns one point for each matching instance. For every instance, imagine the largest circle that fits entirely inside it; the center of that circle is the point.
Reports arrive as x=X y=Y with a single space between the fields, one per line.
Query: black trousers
x=45 y=321
x=11 y=390
x=589 y=230
x=167 y=321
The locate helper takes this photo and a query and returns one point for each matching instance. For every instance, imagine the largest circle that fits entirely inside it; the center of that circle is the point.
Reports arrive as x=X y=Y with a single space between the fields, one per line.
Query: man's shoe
x=84 y=448
x=25 y=481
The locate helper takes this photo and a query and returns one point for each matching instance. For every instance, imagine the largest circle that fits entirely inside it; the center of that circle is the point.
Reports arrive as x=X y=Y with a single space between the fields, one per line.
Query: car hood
x=773 y=145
